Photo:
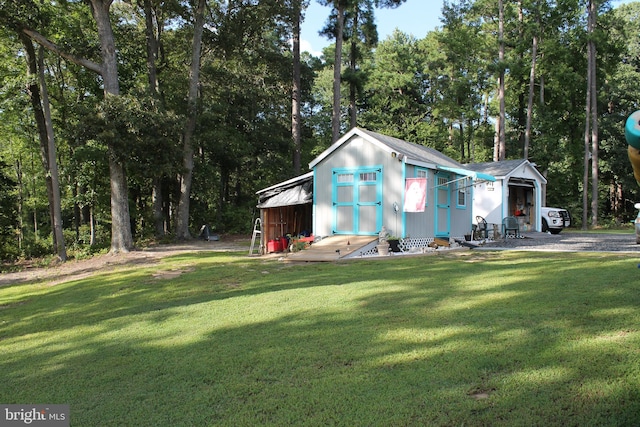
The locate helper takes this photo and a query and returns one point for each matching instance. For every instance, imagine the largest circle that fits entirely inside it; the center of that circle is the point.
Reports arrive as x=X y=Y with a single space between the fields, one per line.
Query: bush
x=36 y=248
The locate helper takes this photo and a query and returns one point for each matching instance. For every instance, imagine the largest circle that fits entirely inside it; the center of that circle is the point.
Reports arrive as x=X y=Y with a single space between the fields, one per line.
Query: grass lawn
x=466 y=338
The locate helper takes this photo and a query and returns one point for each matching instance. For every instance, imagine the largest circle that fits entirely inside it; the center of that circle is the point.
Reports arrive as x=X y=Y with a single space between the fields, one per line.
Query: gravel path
x=571 y=242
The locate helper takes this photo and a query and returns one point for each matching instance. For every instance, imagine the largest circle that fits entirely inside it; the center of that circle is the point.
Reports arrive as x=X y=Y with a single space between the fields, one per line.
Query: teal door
x=357 y=201
x=443 y=206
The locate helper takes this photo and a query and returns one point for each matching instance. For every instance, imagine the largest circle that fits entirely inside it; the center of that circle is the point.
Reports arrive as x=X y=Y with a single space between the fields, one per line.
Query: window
x=345 y=177
x=368 y=177
x=462 y=193
x=424 y=173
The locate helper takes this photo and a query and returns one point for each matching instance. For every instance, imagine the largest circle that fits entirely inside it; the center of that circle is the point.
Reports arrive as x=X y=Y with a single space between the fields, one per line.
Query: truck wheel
x=545 y=226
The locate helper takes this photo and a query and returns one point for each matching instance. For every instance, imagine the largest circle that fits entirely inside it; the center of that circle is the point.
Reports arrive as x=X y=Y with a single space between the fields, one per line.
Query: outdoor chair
x=510 y=226
x=482 y=229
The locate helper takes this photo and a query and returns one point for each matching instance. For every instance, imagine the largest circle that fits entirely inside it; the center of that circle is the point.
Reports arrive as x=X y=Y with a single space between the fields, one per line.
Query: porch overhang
x=296 y=191
x=476 y=176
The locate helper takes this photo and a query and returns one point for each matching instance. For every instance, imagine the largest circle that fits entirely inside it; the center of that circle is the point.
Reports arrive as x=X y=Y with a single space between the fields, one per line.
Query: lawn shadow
x=448 y=342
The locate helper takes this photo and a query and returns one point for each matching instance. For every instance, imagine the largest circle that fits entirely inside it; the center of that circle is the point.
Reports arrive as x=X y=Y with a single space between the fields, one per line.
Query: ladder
x=257 y=231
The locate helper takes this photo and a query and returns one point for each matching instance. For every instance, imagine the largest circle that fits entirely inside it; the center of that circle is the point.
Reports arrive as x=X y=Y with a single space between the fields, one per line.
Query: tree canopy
x=441 y=91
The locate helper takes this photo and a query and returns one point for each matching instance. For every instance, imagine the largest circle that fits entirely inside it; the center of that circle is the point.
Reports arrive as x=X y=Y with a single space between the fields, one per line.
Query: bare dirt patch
x=147 y=257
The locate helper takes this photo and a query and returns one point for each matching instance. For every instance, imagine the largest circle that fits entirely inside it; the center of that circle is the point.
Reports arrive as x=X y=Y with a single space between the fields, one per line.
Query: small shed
x=517 y=191
x=367 y=180
x=286 y=209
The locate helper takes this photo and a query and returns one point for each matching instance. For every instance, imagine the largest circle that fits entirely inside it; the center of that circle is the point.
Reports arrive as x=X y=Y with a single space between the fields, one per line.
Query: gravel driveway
x=572 y=242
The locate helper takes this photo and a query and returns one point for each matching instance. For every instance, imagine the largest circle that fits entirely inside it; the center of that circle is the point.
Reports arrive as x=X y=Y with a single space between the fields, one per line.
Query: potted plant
x=383 y=242
x=394 y=243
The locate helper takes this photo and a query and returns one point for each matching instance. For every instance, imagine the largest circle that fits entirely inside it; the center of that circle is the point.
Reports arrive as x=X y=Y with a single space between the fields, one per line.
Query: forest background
x=128 y=120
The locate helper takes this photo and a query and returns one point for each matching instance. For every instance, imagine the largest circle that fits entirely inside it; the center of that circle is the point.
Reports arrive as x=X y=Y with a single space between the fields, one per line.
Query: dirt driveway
x=71 y=270
x=147 y=257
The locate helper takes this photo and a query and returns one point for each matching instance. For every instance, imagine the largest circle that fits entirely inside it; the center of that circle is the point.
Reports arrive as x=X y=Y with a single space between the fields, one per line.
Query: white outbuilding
x=518 y=191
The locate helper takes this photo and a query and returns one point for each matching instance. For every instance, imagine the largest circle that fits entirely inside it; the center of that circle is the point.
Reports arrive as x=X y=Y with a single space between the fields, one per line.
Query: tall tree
x=336 y=28
x=182 y=220
x=340 y=7
x=591 y=123
x=56 y=208
x=153 y=28
x=8 y=214
x=394 y=92
x=363 y=36
x=121 y=237
x=40 y=104
x=500 y=148
x=296 y=92
x=593 y=92
x=37 y=89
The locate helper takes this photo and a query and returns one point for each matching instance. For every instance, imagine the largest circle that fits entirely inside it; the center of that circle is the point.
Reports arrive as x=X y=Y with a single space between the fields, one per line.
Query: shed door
x=357 y=201
x=443 y=204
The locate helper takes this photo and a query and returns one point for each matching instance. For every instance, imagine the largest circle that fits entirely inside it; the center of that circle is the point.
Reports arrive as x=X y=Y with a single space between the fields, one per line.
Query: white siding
x=354 y=154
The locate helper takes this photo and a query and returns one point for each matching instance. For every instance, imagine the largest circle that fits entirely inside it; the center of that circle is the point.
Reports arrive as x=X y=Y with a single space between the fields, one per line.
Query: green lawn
x=466 y=338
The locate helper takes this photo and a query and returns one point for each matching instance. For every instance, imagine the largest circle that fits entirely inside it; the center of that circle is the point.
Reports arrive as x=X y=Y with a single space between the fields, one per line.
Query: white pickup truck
x=554 y=219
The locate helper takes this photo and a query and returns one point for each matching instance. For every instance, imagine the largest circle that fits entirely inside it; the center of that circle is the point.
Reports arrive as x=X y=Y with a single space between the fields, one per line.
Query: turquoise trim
x=415 y=175
x=438 y=206
x=355 y=202
x=403 y=221
x=472 y=174
x=460 y=187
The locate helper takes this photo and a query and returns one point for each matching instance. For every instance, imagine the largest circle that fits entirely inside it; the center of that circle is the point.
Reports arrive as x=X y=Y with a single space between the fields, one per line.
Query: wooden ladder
x=257 y=231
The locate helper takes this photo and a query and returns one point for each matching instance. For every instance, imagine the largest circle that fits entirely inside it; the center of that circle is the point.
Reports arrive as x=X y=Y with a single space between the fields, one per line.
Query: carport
x=518 y=191
x=286 y=209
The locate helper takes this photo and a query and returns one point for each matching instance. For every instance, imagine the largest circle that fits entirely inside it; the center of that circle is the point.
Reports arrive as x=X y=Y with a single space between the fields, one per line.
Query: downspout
x=314 y=226
x=403 y=226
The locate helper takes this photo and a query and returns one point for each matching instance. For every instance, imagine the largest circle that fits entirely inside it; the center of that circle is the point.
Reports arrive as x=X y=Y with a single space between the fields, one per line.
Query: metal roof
x=411 y=152
x=505 y=168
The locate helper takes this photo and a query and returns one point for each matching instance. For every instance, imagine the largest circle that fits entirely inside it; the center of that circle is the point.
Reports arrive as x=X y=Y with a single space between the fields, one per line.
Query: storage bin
x=274 y=246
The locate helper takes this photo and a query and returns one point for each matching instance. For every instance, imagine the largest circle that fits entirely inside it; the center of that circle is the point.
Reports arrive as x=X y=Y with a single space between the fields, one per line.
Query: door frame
x=355 y=202
x=440 y=207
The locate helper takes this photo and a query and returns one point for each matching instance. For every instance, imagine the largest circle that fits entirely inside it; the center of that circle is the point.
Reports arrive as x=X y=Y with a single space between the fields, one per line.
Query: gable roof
x=412 y=153
x=505 y=168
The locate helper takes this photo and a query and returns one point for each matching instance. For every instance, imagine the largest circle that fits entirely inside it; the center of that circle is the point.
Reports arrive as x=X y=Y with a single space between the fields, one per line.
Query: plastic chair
x=510 y=224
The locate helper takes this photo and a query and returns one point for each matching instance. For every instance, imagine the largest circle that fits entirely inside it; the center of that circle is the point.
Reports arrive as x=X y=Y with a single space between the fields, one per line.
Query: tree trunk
x=353 y=112
x=501 y=120
x=152 y=48
x=182 y=220
x=591 y=124
x=587 y=154
x=153 y=88
x=92 y=228
x=157 y=207
x=296 y=125
x=121 y=238
x=532 y=75
x=594 y=113
x=56 y=208
x=20 y=185
x=39 y=115
x=337 y=71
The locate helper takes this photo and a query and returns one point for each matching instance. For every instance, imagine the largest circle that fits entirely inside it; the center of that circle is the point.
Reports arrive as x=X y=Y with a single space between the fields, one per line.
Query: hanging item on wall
x=415 y=194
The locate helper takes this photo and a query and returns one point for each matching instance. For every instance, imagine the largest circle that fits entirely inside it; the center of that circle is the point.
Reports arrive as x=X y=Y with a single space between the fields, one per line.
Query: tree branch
x=48 y=44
